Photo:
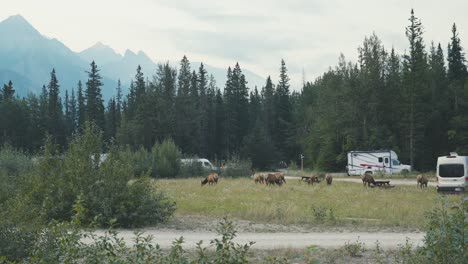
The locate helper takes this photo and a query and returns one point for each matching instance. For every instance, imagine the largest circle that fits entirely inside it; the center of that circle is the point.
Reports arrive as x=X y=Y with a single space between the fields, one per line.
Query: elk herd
x=277 y=178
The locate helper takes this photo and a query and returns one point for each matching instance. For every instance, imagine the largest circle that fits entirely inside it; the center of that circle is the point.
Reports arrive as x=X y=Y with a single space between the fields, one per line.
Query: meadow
x=297 y=203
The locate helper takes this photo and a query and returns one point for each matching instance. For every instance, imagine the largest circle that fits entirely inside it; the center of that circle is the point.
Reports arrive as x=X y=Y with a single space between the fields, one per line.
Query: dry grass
x=296 y=202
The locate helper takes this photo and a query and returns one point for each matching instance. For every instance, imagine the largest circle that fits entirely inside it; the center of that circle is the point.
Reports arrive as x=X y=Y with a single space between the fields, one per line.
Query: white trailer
x=376 y=161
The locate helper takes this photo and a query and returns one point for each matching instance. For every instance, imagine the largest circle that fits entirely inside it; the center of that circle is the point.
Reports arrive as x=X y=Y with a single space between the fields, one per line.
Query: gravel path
x=387 y=240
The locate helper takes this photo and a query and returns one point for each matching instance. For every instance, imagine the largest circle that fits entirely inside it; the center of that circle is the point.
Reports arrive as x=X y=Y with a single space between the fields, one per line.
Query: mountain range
x=27 y=57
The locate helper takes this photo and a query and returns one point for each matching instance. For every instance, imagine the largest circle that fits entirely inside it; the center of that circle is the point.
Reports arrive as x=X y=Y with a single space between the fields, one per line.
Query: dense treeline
x=415 y=104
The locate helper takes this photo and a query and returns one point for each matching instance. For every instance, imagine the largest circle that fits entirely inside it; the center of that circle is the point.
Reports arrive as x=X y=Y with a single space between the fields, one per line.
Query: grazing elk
x=272 y=179
x=329 y=179
x=211 y=179
x=313 y=179
x=421 y=181
x=259 y=178
x=367 y=178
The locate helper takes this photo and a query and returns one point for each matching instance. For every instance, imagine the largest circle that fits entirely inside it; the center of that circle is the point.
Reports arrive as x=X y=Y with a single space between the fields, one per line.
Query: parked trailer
x=376 y=161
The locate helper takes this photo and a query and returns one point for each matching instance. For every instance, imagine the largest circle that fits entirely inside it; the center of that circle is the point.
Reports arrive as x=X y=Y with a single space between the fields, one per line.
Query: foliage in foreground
x=81 y=182
x=66 y=243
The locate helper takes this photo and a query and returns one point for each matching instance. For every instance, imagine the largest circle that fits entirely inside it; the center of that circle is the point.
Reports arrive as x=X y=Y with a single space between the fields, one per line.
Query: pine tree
x=458 y=87
x=7 y=92
x=111 y=119
x=203 y=119
x=55 y=126
x=73 y=112
x=182 y=107
x=283 y=113
x=268 y=93
x=221 y=151
x=416 y=90
x=94 y=101
x=456 y=68
x=81 y=113
x=68 y=117
x=118 y=102
x=438 y=115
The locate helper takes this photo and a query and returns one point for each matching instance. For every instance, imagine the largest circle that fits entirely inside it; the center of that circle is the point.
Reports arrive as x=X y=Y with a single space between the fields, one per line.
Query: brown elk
x=329 y=179
x=367 y=178
x=211 y=179
x=313 y=179
x=421 y=181
x=259 y=178
x=272 y=178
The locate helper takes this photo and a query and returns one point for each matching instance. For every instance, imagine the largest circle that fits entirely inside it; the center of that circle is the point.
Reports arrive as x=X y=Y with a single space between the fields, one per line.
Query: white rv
x=452 y=173
x=377 y=161
x=203 y=163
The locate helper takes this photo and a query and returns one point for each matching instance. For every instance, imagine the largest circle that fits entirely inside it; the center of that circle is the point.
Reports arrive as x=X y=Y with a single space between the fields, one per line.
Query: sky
x=309 y=35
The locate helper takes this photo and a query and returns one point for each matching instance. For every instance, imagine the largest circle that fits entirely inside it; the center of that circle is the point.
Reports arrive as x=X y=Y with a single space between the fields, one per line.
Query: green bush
x=106 y=190
x=64 y=243
x=141 y=160
x=237 y=168
x=166 y=159
x=189 y=170
x=13 y=165
x=446 y=239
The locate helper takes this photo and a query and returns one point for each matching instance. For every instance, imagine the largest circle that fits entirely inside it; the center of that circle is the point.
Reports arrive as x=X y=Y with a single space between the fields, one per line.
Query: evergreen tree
x=68 y=117
x=118 y=102
x=220 y=125
x=183 y=108
x=268 y=94
x=203 y=112
x=456 y=68
x=211 y=119
x=7 y=92
x=435 y=130
x=94 y=101
x=111 y=119
x=415 y=90
x=458 y=83
x=73 y=112
x=283 y=113
x=81 y=113
x=55 y=125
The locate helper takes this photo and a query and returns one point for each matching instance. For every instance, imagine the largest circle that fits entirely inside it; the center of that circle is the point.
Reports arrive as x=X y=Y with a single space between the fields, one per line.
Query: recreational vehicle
x=452 y=173
x=377 y=161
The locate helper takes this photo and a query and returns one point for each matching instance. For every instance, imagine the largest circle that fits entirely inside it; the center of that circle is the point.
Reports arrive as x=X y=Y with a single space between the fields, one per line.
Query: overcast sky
x=308 y=34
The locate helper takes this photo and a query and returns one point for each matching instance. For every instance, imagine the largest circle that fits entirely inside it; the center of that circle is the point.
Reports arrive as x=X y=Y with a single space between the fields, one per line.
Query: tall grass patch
x=296 y=202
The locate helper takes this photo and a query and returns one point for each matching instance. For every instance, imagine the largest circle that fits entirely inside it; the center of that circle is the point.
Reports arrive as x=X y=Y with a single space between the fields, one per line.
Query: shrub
x=237 y=168
x=193 y=169
x=355 y=249
x=166 y=159
x=64 y=243
x=106 y=191
x=13 y=165
x=446 y=233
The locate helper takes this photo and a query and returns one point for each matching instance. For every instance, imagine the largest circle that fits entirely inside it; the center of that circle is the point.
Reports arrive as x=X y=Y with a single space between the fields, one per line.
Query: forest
x=414 y=103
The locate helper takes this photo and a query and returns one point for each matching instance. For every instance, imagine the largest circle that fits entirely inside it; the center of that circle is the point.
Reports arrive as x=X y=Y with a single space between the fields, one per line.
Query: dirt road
x=388 y=240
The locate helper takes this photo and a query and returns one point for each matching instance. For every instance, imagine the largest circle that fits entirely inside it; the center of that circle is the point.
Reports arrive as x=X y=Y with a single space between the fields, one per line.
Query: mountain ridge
x=28 y=57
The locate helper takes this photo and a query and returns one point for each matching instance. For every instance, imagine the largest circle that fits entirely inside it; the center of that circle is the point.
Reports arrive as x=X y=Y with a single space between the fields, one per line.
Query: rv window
x=380 y=159
x=386 y=160
x=395 y=162
x=451 y=170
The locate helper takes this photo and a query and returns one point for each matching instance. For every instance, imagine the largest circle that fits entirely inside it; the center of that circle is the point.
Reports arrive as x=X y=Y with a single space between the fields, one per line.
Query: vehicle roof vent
x=453 y=154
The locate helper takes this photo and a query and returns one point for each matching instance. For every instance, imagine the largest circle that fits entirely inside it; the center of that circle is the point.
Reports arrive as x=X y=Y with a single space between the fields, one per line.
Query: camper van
x=376 y=161
x=203 y=163
x=452 y=173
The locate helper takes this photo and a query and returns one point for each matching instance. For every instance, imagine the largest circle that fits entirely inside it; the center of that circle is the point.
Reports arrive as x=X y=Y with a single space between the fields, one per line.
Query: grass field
x=295 y=202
